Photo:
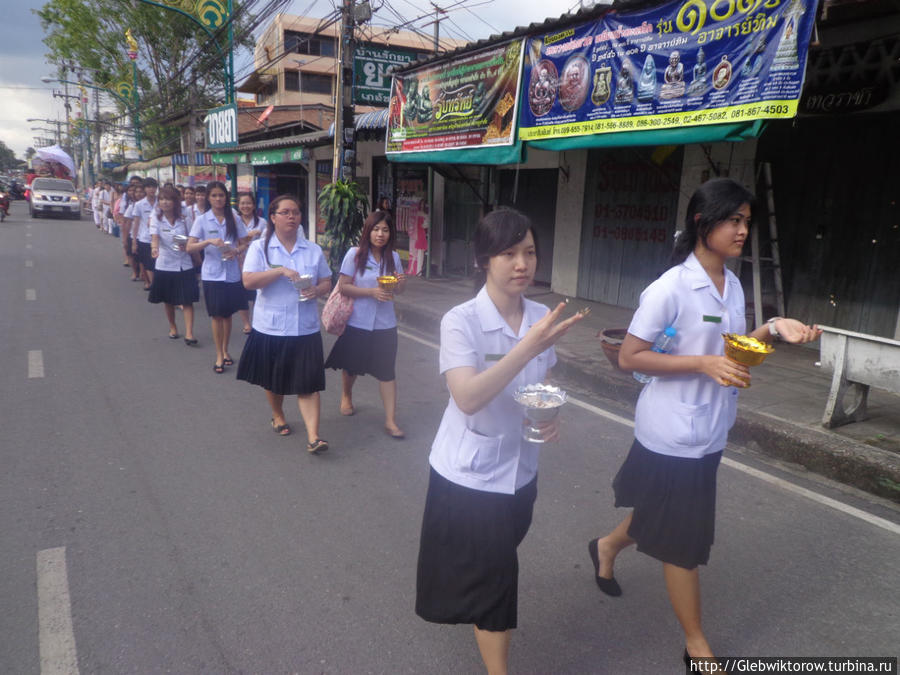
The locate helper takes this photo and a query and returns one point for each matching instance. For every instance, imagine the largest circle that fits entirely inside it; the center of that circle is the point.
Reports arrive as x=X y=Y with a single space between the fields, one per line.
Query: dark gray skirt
x=365 y=352
x=224 y=298
x=468 y=569
x=674 y=502
x=174 y=288
x=285 y=365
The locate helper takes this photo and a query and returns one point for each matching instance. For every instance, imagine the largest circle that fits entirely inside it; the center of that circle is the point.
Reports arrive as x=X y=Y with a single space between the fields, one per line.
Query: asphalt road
x=181 y=535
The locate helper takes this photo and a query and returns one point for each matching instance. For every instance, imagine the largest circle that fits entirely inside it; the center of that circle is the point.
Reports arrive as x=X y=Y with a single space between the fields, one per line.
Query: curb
x=862 y=466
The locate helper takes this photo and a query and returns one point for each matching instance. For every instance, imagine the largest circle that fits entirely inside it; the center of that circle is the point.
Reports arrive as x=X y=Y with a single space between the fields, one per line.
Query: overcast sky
x=22 y=60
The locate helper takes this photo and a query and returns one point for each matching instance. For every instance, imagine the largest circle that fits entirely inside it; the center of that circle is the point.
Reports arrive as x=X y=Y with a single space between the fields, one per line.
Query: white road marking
x=28 y=234
x=749 y=470
x=29 y=263
x=35 y=363
x=30 y=294
x=56 y=639
x=27 y=246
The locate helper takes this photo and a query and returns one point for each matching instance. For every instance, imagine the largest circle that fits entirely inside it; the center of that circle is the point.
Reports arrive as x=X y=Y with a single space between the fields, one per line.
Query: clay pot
x=611 y=342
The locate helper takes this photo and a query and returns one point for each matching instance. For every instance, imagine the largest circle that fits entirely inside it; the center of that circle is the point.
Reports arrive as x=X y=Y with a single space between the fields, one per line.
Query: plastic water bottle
x=662 y=345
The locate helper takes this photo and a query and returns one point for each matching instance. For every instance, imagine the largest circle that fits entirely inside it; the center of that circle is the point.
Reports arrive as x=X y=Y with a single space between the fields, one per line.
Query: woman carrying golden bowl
x=685 y=412
x=370 y=274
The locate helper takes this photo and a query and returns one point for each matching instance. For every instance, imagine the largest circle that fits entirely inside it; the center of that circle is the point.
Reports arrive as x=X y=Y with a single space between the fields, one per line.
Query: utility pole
x=344 y=158
x=98 y=162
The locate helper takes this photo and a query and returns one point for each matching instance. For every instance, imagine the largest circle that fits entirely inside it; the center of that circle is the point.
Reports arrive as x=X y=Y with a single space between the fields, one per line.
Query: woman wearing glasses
x=283 y=353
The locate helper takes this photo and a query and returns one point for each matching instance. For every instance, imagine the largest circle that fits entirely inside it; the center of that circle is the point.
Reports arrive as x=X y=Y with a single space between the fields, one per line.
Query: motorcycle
x=4 y=206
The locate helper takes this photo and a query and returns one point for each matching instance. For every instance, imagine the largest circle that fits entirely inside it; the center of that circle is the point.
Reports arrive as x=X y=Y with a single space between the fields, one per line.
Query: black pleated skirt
x=224 y=298
x=284 y=365
x=174 y=288
x=145 y=255
x=366 y=352
x=468 y=569
x=674 y=501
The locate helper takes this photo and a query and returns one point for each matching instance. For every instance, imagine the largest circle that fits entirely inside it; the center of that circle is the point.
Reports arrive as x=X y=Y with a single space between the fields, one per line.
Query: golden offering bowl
x=745 y=350
x=388 y=282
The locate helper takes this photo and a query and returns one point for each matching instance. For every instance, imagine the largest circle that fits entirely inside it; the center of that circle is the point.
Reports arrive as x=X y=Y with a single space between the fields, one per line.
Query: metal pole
x=229 y=90
x=98 y=162
x=344 y=157
x=135 y=111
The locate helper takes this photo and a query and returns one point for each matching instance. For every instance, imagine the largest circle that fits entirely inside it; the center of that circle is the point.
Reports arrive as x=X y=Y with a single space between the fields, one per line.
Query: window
x=304 y=43
x=307 y=83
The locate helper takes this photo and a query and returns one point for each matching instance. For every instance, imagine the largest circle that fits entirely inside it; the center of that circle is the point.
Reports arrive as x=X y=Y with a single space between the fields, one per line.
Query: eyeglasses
x=288 y=214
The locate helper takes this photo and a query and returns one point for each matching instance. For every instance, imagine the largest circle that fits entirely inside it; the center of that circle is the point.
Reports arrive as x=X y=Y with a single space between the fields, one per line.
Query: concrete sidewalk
x=780 y=415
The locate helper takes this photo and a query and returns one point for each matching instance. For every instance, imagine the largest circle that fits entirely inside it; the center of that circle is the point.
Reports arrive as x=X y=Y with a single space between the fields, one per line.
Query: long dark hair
x=270 y=224
x=247 y=193
x=711 y=203
x=168 y=192
x=230 y=226
x=365 y=243
x=497 y=231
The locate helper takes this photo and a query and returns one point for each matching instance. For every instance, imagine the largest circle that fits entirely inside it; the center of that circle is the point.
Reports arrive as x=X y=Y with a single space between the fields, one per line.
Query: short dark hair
x=150 y=182
x=497 y=231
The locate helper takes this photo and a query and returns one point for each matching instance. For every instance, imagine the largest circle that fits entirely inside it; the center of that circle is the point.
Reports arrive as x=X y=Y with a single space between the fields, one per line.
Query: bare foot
x=346 y=407
x=607 y=556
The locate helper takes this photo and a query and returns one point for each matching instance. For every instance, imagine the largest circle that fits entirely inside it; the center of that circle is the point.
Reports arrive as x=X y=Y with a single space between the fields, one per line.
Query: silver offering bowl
x=304 y=282
x=542 y=403
x=179 y=242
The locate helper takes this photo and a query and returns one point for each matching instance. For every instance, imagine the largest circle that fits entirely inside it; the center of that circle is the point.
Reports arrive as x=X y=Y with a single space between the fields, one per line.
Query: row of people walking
x=483 y=475
x=242 y=260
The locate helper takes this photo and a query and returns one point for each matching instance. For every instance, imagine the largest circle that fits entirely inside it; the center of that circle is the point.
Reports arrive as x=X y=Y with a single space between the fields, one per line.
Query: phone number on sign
x=656 y=235
x=654 y=213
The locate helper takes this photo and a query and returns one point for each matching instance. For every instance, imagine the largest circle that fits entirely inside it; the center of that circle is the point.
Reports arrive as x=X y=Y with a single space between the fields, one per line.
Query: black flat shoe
x=174 y=336
x=609 y=586
x=190 y=342
x=218 y=369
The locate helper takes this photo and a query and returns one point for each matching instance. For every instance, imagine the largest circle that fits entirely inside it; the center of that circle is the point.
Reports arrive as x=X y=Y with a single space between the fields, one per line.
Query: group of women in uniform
x=242 y=259
x=483 y=476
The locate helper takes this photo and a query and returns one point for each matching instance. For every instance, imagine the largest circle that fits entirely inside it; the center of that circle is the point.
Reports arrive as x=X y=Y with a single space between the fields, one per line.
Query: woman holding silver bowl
x=283 y=353
x=223 y=293
x=684 y=413
x=174 y=282
x=370 y=274
x=483 y=479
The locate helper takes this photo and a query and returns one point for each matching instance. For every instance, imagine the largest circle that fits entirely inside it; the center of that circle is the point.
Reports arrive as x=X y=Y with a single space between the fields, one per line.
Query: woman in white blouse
x=283 y=353
x=368 y=345
x=483 y=480
x=174 y=282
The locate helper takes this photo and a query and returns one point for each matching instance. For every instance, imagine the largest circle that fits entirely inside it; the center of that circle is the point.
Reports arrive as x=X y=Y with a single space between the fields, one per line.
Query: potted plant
x=344 y=207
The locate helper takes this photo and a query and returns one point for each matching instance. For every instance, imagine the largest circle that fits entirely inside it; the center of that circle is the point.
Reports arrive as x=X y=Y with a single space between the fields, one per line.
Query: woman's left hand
x=549 y=430
x=796 y=332
x=310 y=292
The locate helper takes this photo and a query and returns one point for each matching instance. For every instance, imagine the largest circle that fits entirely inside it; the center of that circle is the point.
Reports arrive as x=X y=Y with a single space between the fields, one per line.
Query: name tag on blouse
x=712 y=319
x=214 y=231
x=493 y=357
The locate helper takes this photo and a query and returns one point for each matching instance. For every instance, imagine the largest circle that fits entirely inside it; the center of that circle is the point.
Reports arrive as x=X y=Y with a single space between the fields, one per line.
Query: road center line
x=30 y=294
x=35 y=363
x=27 y=246
x=29 y=263
x=749 y=470
x=56 y=639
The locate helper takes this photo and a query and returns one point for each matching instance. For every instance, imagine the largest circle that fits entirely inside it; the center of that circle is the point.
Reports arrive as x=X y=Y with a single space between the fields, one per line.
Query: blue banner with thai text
x=686 y=63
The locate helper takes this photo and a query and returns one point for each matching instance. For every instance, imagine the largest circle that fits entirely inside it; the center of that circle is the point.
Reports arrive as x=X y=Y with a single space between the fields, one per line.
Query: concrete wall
x=569 y=219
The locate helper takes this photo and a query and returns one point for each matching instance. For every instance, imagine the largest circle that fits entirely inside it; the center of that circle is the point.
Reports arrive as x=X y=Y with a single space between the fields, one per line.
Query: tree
x=30 y=152
x=344 y=206
x=8 y=158
x=179 y=67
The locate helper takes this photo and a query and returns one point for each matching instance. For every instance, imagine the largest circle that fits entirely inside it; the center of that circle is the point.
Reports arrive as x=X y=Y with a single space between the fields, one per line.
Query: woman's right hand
x=218 y=243
x=544 y=333
x=726 y=372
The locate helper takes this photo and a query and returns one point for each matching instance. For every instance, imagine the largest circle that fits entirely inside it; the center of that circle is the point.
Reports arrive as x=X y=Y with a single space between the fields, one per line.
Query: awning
x=280 y=156
x=711 y=133
x=229 y=158
x=491 y=155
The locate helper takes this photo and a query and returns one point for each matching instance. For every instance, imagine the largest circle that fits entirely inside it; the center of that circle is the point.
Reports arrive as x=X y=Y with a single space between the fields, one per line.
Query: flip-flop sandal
x=348 y=412
x=218 y=369
x=174 y=336
x=280 y=429
x=317 y=446
x=399 y=434
x=228 y=362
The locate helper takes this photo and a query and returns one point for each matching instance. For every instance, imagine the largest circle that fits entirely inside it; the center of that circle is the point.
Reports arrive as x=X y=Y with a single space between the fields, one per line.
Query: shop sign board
x=221 y=127
x=685 y=63
x=266 y=157
x=372 y=69
x=468 y=102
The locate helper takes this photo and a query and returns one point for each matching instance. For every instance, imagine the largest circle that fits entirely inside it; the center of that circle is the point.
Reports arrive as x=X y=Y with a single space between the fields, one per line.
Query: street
x=192 y=539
